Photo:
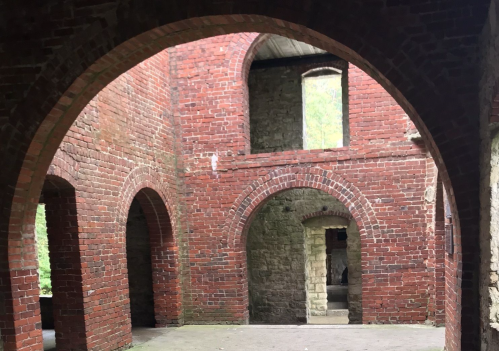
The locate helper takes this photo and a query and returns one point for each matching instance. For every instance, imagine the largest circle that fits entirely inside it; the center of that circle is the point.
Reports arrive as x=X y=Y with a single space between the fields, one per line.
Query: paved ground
x=290 y=338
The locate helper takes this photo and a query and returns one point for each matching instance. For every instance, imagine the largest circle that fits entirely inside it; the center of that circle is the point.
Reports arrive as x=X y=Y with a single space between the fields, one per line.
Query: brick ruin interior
x=188 y=192
x=167 y=148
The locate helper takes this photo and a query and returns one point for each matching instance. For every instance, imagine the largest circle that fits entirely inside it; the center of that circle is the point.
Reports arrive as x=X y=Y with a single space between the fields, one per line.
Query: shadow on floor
x=49 y=340
x=140 y=336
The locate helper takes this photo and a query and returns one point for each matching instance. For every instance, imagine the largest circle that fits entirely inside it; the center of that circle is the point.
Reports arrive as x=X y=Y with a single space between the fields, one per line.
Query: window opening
x=322 y=110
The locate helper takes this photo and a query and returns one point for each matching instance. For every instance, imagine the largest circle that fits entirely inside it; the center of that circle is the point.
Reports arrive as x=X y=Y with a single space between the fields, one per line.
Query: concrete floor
x=291 y=338
x=283 y=338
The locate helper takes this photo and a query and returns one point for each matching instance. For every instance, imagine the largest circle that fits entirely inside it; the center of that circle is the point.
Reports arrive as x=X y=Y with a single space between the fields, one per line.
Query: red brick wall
x=120 y=147
x=440 y=256
x=453 y=283
x=387 y=168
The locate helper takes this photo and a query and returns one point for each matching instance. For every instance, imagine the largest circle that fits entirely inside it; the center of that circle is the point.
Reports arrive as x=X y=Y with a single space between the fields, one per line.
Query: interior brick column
x=65 y=262
x=20 y=322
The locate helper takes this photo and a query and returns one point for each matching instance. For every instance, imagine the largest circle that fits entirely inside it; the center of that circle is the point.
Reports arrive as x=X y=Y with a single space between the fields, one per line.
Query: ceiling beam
x=294 y=61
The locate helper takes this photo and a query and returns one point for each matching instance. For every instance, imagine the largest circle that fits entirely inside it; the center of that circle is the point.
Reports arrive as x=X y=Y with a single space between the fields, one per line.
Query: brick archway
x=57 y=121
x=255 y=196
x=257 y=43
x=156 y=201
x=354 y=259
x=70 y=79
x=139 y=178
x=64 y=167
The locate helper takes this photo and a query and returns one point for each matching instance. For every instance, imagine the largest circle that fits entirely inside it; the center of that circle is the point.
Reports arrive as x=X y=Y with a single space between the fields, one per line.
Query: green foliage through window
x=43 y=251
x=323 y=123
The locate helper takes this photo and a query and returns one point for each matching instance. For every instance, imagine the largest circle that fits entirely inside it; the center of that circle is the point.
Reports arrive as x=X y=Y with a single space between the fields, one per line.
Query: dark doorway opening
x=139 y=265
x=337 y=272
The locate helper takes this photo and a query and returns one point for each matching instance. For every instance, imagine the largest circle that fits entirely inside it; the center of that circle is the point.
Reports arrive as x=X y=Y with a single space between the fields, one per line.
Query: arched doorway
x=152 y=261
x=139 y=266
x=288 y=259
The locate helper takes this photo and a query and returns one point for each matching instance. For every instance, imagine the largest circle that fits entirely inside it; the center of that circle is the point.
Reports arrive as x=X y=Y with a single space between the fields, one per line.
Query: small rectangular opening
x=323 y=111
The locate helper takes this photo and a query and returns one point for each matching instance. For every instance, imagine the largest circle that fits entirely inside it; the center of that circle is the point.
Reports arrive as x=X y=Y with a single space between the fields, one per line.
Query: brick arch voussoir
x=250 y=54
x=276 y=181
x=66 y=168
x=240 y=54
x=138 y=180
x=326 y=213
x=159 y=209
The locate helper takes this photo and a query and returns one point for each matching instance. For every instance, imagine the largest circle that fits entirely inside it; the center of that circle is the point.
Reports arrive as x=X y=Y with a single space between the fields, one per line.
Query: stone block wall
x=355 y=278
x=277 y=256
x=315 y=242
x=489 y=184
x=316 y=254
x=276 y=110
x=276 y=106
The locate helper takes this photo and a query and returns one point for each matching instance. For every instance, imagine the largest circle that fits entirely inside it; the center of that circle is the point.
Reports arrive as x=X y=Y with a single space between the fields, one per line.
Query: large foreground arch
x=117 y=37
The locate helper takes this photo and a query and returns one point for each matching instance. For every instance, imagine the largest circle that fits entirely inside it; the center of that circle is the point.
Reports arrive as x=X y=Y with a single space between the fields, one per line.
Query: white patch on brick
x=214 y=160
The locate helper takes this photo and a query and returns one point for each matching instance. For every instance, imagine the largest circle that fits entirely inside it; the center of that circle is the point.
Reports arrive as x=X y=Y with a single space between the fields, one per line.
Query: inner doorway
x=337 y=274
x=333 y=262
x=139 y=265
x=287 y=261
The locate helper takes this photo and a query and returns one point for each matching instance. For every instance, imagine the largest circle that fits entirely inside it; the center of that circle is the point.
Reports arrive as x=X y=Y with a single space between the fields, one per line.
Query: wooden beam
x=294 y=61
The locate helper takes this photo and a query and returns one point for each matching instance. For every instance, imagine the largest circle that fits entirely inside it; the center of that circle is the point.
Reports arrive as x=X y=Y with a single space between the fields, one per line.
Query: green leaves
x=323 y=127
x=43 y=251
